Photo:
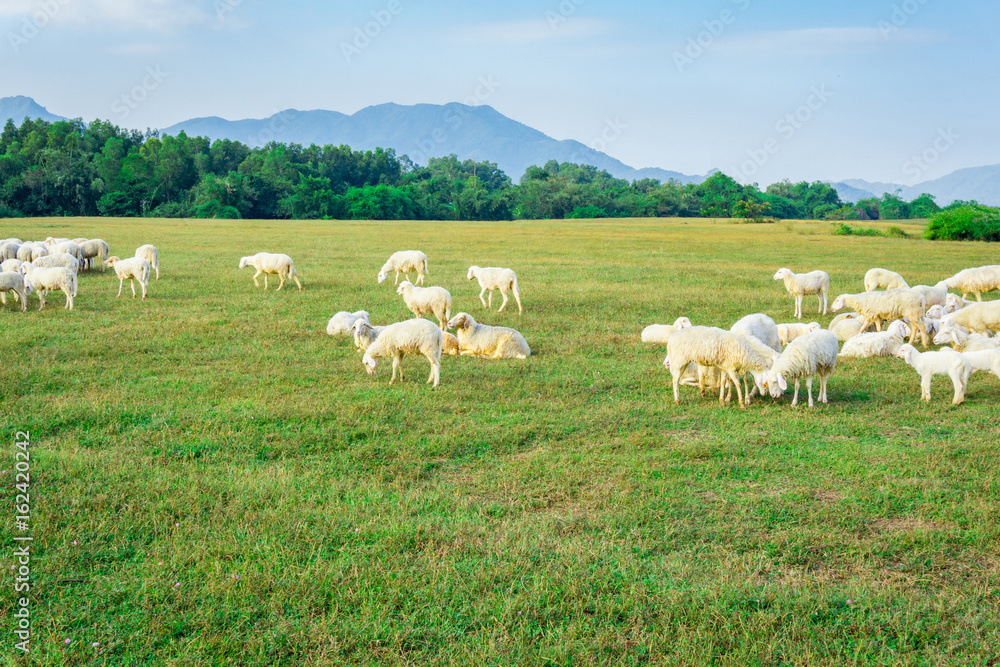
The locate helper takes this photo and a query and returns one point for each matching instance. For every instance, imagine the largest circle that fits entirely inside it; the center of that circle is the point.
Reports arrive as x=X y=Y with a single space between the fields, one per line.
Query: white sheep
x=878 y=278
x=942 y=362
x=978 y=317
x=936 y=295
x=976 y=281
x=340 y=325
x=149 y=253
x=403 y=262
x=415 y=336
x=894 y=304
x=761 y=327
x=488 y=341
x=954 y=302
x=268 y=263
x=959 y=337
x=711 y=346
x=10 y=265
x=132 y=268
x=8 y=250
x=876 y=344
x=64 y=260
x=806 y=356
x=847 y=325
x=364 y=333
x=45 y=280
x=744 y=329
x=53 y=241
x=96 y=249
x=68 y=248
x=13 y=282
x=492 y=278
x=984 y=360
x=449 y=344
x=800 y=284
x=430 y=300
x=787 y=332
x=659 y=333
x=32 y=251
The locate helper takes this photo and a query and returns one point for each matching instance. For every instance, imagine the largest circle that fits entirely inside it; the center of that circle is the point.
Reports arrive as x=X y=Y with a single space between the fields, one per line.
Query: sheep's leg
x=956 y=381
x=255 y=283
x=481 y=292
x=822 y=387
x=798 y=306
x=131 y=283
x=420 y=278
x=41 y=299
x=925 y=388
x=145 y=287
x=517 y=297
x=69 y=301
x=121 y=284
x=435 y=378
x=795 y=397
x=809 y=389
x=979 y=297
x=395 y=367
x=736 y=382
x=503 y=291
x=297 y=281
x=282 y=283
x=676 y=378
x=396 y=281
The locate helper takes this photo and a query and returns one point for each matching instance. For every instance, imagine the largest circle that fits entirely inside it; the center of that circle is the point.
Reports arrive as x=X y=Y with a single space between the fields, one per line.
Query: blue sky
x=896 y=90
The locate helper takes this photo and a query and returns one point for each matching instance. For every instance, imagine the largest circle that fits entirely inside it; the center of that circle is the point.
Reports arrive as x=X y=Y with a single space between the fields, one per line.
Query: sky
x=897 y=91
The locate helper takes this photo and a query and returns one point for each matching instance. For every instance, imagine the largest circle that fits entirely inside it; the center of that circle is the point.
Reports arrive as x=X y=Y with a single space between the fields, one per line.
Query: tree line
x=68 y=168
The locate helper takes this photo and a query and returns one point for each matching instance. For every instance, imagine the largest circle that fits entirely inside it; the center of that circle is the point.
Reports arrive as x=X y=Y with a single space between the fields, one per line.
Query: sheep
x=430 y=300
x=266 y=262
x=876 y=344
x=403 y=262
x=364 y=333
x=415 y=336
x=976 y=281
x=14 y=282
x=43 y=280
x=96 y=249
x=488 y=341
x=10 y=264
x=32 y=251
x=808 y=355
x=933 y=296
x=800 y=284
x=892 y=304
x=877 y=278
x=340 y=325
x=133 y=268
x=64 y=260
x=711 y=346
x=8 y=250
x=491 y=278
x=768 y=352
x=959 y=337
x=847 y=325
x=67 y=247
x=659 y=333
x=149 y=253
x=954 y=302
x=792 y=330
x=942 y=362
x=52 y=242
x=761 y=327
x=983 y=360
x=978 y=317
x=449 y=344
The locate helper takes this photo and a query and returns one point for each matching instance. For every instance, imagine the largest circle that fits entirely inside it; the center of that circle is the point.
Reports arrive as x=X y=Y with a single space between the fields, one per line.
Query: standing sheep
x=403 y=262
x=152 y=255
x=959 y=338
x=410 y=337
x=936 y=295
x=430 y=300
x=96 y=249
x=64 y=260
x=13 y=282
x=659 y=333
x=491 y=278
x=976 y=281
x=711 y=346
x=800 y=284
x=132 y=268
x=978 y=317
x=45 y=280
x=942 y=362
x=894 y=304
x=812 y=354
x=268 y=263
x=488 y=341
x=878 y=278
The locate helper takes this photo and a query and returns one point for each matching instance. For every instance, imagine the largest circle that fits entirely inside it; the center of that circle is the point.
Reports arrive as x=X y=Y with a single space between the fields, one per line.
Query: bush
x=589 y=211
x=970 y=222
x=9 y=212
x=846 y=230
x=896 y=233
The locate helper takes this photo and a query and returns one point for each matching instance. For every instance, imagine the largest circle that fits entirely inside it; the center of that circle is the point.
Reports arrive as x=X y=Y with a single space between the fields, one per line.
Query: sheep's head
x=114 y=259
x=782 y=273
x=369 y=362
x=23 y=269
x=244 y=261
x=472 y=272
x=682 y=323
x=897 y=328
x=460 y=321
x=28 y=287
x=382 y=275
x=935 y=312
x=404 y=287
x=774 y=382
x=666 y=361
x=838 y=303
x=906 y=352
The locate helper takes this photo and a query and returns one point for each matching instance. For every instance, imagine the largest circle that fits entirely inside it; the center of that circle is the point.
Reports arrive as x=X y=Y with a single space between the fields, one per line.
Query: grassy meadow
x=215 y=481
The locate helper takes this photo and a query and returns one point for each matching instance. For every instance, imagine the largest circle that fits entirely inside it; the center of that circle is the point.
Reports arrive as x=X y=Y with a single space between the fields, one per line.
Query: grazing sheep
x=488 y=341
x=711 y=346
x=876 y=344
x=96 y=249
x=976 y=281
x=943 y=362
x=808 y=355
x=491 y=278
x=410 y=337
x=152 y=255
x=133 y=268
x=659 y=333
x=449 y=344
x=800 y=284
x=267 y=263
x=8 y=250
x=52 y=242
x=894 y=304
x=933 y=296
x=340 y=325
x=430 y=300
x=848 y=325
x=878 y=278
x=761 y=327
x=13 y=282
x=364 y=333
x=792 y=330
x=68 y=248
x=64 y=260
x=767 y=352
x=959 y=337
x=32 y=251
x=403 y=262
x=10 y=265
x=954 y=302
x=45 y=280
x=978 y=317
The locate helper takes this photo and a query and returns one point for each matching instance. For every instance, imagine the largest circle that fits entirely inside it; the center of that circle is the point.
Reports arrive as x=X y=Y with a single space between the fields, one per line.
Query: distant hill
x=20 y=107
x=979 y=183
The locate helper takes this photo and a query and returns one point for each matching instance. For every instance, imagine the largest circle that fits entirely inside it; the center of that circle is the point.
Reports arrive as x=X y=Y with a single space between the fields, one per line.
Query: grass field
x=215 y=481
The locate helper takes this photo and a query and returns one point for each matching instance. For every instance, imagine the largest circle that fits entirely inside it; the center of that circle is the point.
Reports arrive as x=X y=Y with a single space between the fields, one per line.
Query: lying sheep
x=894 y=304
x=800 y=284
x=403 y=262
x=134 y=269
x=152 y=255
x=876 y=344
x=488 y=341
x=812 y=354
x=878 y=278
x=847 y=325
x=410 y=337
x=44 y=280
x=978 y=317
x=659 y=333
x=96 y=249
x=13 y=282
x=954 y=302
x=711 y=346
x=342 y=323
x=933 y=296
x=268 y=263
x=976 y=281
x=430 y=300
x=492 y=278
x=942 y=362
x=364 y=333
x=64 y=260
x=790 y=331
x=959 y=338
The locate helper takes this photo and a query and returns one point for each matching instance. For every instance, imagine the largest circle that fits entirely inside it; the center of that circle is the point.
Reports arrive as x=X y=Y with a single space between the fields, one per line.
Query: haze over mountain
x=20 y=107
x=981 y=184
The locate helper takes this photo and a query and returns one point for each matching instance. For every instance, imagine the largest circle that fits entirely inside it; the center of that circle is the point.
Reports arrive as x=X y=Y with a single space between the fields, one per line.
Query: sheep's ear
x=782 y=385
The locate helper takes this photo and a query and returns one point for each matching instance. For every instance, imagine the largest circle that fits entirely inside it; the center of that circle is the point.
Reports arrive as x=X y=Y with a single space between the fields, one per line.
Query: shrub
x=969 y=222
x=896 y=233
x=9 y=212
x=846 y=230
x=589 y=211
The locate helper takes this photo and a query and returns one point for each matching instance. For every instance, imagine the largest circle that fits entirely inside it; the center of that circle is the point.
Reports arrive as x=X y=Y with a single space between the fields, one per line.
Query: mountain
x=20 y=107
x=422 y=131
x=979 y=183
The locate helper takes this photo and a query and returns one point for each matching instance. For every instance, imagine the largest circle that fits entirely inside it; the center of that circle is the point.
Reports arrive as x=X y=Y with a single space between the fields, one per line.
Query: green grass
x=560 y=510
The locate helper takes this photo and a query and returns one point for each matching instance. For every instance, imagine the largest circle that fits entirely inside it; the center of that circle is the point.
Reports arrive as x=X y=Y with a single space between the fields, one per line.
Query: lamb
x=62 y=259
x=954 y=302
x=13 y=282
x=761 y=327
x=876 y=344
x=814 y=353
x=976 y=281
x=800 y=284
x=933 y=296
x=892 y=304
x=152 y=255
x=790 y=331
x=364 y=333
x=43 y=280
x=403 y=262
x=430 y=300
x=942 y=362
x=491 y=278
x=266 y=262
x=342 y=323
x=711 y=346
x=488 y=341
x=96 y=249
x=983 y=360
x=979 y=317
x=959 y=337
x=133 y=268
x=878 y=278
x=415 y=336
x=659 y=333
x=847 y=325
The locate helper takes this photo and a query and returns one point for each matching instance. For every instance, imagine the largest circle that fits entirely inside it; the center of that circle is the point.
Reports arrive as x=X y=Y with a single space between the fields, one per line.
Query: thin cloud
x=532 y=31
x=120 y=15
x=825 y=41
